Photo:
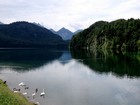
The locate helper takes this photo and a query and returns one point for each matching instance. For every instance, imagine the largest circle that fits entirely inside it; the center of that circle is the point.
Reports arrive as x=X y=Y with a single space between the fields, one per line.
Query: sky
x=71 y=14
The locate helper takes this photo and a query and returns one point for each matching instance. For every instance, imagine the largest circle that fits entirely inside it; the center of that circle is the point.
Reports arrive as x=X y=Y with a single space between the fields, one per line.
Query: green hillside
x=121 y=35
x=25 y=34
x=7 y=97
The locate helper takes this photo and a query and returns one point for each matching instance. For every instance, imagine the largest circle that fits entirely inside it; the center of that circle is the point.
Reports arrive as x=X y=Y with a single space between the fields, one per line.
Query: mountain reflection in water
x=27 y=59
x=116 y=63
x=119 y=64
x=76 y=78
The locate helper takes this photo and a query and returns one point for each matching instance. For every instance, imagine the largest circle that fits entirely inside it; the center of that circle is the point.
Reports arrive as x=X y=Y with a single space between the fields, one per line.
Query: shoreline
x=8 y=97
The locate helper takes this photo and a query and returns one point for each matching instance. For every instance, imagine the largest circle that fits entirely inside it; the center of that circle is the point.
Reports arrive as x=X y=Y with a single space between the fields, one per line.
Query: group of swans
x=41 y=94
x=25 y=93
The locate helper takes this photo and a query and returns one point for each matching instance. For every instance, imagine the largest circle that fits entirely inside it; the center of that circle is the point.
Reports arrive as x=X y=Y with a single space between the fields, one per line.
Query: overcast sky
x=72 y=14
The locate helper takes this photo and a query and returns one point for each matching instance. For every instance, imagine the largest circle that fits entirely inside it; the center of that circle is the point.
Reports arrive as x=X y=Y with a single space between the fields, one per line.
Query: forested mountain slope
x=117 y=35
x=24 y=34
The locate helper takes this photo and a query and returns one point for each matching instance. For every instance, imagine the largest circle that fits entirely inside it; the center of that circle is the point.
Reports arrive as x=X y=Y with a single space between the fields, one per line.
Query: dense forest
x=25 y=34
x=120 y=34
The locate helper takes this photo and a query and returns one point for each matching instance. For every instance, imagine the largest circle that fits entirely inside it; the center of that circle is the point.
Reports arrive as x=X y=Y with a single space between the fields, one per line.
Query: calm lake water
x=73 y=78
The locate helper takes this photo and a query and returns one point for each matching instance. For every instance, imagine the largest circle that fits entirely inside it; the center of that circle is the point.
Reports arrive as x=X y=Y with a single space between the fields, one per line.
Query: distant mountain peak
x=63 y=29
x=1 y=23
x=38 y=24
x=65 y=33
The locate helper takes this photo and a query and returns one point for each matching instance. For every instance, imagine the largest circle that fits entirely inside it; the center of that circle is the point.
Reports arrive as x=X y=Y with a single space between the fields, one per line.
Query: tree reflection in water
x=118 y=63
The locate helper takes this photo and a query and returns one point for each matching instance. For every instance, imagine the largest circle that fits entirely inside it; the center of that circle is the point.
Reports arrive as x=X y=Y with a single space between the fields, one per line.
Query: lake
x=73 y=78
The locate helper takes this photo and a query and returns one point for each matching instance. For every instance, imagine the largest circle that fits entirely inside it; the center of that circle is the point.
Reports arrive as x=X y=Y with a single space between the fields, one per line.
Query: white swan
x=43 y=93
x=33 y=95
x=25 y=93
x=21 y=84
x=37 y=103
x=16 y=91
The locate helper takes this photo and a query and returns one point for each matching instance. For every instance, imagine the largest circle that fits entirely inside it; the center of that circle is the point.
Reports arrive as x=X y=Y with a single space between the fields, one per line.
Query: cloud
x=67 y=13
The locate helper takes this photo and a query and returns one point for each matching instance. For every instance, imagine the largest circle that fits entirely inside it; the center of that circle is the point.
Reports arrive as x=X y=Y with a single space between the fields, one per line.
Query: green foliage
x=138 y=44
x=7 y=97
x=117 y=35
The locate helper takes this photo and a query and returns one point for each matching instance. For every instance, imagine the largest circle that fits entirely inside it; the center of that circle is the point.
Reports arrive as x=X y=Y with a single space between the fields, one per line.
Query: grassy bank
x=7 y=97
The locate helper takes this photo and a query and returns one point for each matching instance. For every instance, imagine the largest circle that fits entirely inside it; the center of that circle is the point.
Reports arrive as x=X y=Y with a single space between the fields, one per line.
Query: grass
x=7 y=97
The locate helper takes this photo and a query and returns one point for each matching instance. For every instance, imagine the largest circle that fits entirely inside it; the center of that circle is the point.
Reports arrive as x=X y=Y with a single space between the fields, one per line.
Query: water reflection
x=67 y=81
x=26 y=59
x=75 y=84
x=119 y=64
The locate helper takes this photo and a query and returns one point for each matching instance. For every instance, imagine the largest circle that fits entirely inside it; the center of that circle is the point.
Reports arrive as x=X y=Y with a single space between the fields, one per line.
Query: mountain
x=76 y=32
x=121 y=34
x=65 y=33
x=25 y=34
x=38 y=24
x=53 y=31
x=1 y=23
